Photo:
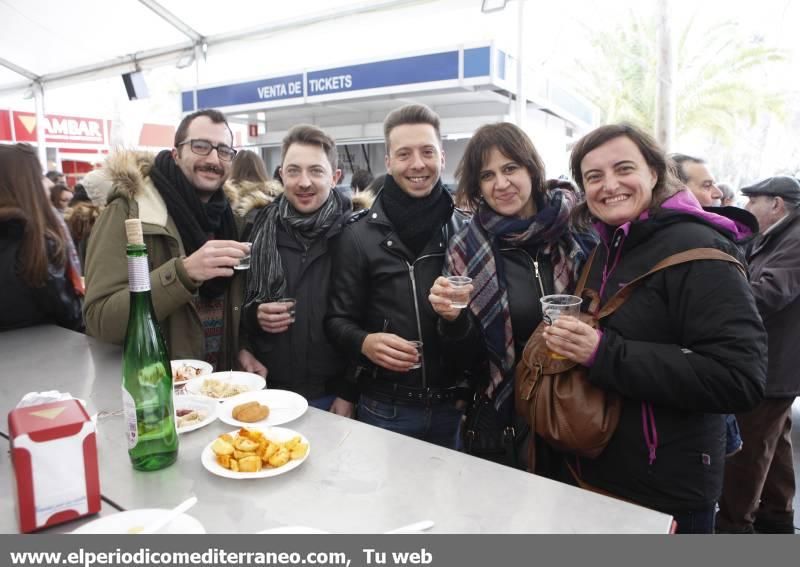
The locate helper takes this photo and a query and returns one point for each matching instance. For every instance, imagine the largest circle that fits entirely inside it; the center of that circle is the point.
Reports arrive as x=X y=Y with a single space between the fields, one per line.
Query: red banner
x=59 y=129
x=5 y=126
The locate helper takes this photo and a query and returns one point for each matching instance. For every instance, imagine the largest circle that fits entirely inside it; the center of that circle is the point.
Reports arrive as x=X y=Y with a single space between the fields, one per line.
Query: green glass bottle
x=146 y=374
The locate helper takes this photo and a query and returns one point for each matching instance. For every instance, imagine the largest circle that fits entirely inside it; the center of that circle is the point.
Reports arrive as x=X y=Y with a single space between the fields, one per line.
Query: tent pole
x=38 y=95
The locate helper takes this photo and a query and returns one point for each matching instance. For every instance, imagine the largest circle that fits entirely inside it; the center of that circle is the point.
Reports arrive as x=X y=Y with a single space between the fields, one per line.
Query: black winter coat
x=775 y=277
x=301 y=359
x=22 y=305
x=688 y=346
x=379 y=287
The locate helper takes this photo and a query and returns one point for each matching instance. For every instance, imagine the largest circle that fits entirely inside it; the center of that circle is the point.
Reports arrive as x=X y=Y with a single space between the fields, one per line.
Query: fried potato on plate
x=250 y=464
x=250 y=451
x=222 y=447
x=245 y=444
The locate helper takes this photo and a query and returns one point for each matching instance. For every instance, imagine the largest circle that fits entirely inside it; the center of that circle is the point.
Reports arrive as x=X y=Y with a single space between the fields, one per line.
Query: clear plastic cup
x=554 y=306
x=418 y=346
x=290 y=303
x=459 y=295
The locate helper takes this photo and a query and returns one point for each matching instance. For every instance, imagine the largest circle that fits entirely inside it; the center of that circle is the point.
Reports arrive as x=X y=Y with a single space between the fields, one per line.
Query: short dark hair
x=215 y=116
x=510 y=141
x=53 y=175
x=360 y=180
x=410 y=114
x=311 y=136
x=678 y=160
x=653 y=155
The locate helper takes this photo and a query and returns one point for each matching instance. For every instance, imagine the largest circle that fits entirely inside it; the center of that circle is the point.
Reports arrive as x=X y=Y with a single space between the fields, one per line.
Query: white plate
x=284 y=406
x=279 y=434
x=196 y=403
x=247 y=379
x=123 y=522
x=203 y=366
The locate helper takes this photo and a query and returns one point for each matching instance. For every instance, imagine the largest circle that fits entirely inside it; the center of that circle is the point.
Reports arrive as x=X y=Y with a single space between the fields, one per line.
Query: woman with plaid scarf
x=518 y=248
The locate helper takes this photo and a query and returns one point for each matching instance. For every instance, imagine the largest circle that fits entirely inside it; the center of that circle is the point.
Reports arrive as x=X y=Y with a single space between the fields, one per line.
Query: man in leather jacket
x=759 y=486
x=384 y=264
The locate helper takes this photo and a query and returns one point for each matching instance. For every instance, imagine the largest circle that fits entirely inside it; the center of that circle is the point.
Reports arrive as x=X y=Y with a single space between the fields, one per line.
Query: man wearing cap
x=759 y=481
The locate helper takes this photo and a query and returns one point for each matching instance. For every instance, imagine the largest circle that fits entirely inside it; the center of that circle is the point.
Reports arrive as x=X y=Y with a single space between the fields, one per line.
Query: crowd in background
x=349 y=298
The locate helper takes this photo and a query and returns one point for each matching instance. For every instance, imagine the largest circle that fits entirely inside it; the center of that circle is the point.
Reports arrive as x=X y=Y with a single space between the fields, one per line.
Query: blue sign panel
x=264 y=90
x=405 y=71
x=187 y=101
x=477 y=62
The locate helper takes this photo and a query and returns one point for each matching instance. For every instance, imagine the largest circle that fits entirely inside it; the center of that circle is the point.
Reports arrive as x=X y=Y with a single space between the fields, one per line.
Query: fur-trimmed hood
x=246 y=196
x=363 y=200
x=127 y=171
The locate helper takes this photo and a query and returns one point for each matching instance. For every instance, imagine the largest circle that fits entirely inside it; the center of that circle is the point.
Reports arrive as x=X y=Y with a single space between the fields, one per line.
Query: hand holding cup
x=276 y=316
x=449 y=295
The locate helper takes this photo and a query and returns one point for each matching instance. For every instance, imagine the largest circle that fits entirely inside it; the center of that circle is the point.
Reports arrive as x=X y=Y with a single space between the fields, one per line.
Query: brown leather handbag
x=555 y=397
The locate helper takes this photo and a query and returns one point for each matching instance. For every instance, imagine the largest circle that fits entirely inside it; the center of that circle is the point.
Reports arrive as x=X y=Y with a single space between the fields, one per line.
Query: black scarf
x=267 y=278
x=195 y=220
x=415 y=219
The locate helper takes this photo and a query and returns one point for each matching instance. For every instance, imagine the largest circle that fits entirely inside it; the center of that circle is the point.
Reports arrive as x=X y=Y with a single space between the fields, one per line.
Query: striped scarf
x=473 y=251
x=267 y=280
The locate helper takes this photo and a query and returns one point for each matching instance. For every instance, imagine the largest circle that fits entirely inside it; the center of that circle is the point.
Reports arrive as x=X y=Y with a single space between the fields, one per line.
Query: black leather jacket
x=378 y=286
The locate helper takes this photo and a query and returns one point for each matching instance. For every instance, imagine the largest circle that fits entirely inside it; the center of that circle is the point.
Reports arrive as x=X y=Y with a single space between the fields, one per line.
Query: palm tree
x=720 y=76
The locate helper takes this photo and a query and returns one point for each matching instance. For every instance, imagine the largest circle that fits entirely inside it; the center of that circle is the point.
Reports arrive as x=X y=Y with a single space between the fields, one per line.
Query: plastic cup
x=459 y=295
x=244 y=262
x=554 y=306
x=418 y=346
x=290 y=305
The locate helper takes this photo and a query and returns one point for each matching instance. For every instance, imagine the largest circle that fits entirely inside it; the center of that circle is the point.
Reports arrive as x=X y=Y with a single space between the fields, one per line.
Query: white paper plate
x=247 y=379
x=124 y=522
x=196 y=403
x=201 y=365
x=284 y=406
x=209 y=459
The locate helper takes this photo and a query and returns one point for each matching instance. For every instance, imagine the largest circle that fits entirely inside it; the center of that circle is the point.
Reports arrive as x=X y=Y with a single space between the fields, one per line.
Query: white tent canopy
x=54 y=43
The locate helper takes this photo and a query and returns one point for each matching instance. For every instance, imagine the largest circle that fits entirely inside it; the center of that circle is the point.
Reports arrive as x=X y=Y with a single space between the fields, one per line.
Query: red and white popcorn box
x=54 y=452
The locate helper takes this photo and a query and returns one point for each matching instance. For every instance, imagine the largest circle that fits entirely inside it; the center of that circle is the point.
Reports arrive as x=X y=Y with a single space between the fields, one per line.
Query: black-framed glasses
x=204 y=147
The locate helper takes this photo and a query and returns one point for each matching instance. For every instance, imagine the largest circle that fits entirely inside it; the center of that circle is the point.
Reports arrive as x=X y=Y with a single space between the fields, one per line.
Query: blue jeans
x=436 y=424
x=733 y=438
x=323 y=403
x=695 y=521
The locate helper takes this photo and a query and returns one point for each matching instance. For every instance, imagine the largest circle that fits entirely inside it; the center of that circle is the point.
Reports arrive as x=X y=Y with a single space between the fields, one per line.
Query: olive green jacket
x=106 y=305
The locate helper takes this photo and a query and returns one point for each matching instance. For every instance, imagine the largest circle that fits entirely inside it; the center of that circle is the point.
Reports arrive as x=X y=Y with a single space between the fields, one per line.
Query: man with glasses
x=759 y=486
x=192 y=243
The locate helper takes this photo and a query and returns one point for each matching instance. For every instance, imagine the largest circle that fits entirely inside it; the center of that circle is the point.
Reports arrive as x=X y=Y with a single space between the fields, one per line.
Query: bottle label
x=138 y=274
x=129 y=408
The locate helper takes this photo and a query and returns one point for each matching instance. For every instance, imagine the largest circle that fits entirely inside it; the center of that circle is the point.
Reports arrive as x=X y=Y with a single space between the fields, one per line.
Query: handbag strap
x=585 y=273
x=692 y=255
